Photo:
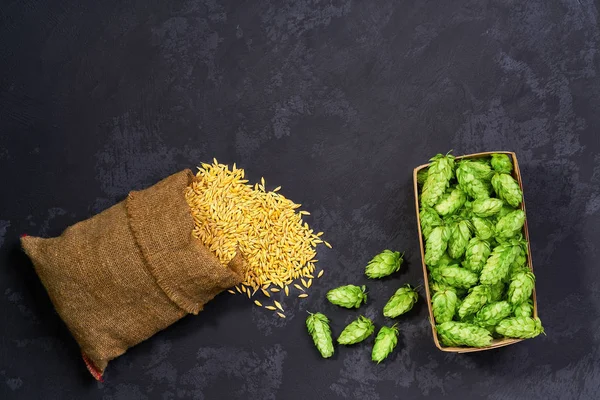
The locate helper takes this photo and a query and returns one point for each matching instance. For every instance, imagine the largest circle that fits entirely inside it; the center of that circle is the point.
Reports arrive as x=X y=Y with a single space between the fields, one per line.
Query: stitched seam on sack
x=172 y=294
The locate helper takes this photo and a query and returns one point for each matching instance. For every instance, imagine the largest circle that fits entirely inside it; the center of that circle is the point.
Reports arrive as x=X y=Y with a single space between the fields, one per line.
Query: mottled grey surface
x=336 y=101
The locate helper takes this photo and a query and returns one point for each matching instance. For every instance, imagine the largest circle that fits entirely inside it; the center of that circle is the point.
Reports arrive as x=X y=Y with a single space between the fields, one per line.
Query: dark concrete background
x=336 y=101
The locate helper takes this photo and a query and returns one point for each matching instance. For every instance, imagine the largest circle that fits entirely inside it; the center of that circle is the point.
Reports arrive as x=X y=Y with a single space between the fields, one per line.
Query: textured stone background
x=336 y=101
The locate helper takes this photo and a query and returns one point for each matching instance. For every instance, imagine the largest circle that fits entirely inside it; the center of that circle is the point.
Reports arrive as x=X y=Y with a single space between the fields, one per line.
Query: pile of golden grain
x=268 y=228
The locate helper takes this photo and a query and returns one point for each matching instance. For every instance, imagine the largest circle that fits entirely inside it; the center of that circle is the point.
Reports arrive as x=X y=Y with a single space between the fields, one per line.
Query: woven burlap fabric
x=130 y=271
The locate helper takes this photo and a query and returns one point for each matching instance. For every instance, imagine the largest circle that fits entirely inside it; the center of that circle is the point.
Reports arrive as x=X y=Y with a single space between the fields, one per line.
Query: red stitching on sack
x=24 y=235
x=92 y=368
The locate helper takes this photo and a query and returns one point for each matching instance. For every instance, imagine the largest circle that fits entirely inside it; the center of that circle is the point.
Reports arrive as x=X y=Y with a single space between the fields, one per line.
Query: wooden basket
x=497 y=342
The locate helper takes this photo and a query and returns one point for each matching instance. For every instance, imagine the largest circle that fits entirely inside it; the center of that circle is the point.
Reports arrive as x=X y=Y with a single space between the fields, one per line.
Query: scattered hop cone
x=520 y=327
x=318 y=328
x=455 y=276
x=429 y=220
x=451 y=202
x=443 y=305
x=357 y=331
x=510 y=224
x=486 y=207
x=349 y=296
x=459 y=238
x=524 y=309
x=483 y=228
x=478 y=297
x=521 y=287
x=436 y=245
x=507 y=188
x=385 y=343
x=439 y=173
x=498 y=264
x=490 y=315
x=476 y=255
x=401 y=302
x=384 y=264
x=502 y=163
x=463 y=334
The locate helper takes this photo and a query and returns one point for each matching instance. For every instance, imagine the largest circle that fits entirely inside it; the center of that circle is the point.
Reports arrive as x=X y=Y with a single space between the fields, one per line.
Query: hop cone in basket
x=491 y=314
x=507 y=188
x=520 y=327
x=440 y=171
x=502 y=163
x=463 y=334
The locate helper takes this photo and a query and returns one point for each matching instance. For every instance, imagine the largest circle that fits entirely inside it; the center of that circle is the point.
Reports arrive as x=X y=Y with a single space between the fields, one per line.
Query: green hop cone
x=520 y=261
x=318 y=328
x=521 y=286
x=459 y=239
x=401 y=302
x=497 y=291
x=447 y=260
x=422 y=176
x=490 y=315
x=480 y=169
x=349 y=296
x=440 y=171
x=385 y=342
x=436 y=245
x=460 y=299
x=502 y=163
x=443 y=305
x=451 y=201
x=357 y=331
x=520 y=327
x=524 y=309
x=454 y=276
x=486 y=207
x=463 y=334
x=507 y=188
x=510 y=224
x=483 y=228
x=482 y=160
x=505 y=210
x=476 y=255
x=478 y=297
x=466 y=212
x=429 y=220
x=498 y=264
x=438 y=287
x=383 y=264
x=467 y=176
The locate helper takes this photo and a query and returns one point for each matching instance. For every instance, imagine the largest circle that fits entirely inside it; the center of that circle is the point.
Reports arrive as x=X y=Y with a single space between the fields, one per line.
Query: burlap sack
x=130 y=271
